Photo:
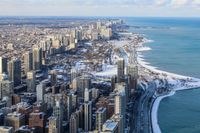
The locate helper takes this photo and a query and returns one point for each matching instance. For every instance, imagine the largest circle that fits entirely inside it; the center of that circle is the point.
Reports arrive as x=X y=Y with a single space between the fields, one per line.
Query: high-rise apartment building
x=120 y=100
x=37 y=120
x=53 y=125
x=14 y=71
x=15 y=120
x=58 y=110
x=40 y=91
x=6 y=90
x=74 y=74
x=100 y=118
x=28 y=61
x=37 y=58
x=82 y=83
x=87 y=116
x=6 y=129
x=87 y=95
x=120 y=70
x=3 y=65
x=31 y=81
x=73 y=123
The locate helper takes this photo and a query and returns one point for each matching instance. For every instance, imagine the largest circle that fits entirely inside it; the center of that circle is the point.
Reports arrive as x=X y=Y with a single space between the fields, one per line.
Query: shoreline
x=174 y=81
x=158 y=99
x=155 y=107
x=154 y=116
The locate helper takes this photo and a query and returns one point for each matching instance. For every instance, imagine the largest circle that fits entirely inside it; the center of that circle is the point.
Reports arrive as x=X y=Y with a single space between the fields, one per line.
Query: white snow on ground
x=109 y=71
x=125 y=33
x=172 y=77
x=59 y=76
x=80 y=66
x=84 y=50
x=140 y=49
x=88 y=43
x=119 y=44
x=145 y=64
x=147 y=41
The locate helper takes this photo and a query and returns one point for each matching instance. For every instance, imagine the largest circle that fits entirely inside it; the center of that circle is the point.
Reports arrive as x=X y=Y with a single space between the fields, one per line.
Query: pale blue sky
x=165 y=8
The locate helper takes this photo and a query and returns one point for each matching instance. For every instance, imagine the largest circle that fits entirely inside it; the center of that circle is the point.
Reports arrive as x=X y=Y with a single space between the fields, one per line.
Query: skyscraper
x=106 y=33
x=6 y=89
x=87 y=95
x=56 y=43
x=74 y=74
x=100 y=118
x=31 y=83
x=28 y=61
x=98 y=25
x=87 y=110
x=82 y=83
x=78 y=35
x=53 y=125
x=37 y=120
x=14 y=71
x=58 y=110
x=132 y=72
x=15 y=120
x=53 y=74
x=120 y=70
x=120 y=100
x=80 y=114
x=87 y=116
x=73 y=123
x=37 y=58
x=6 y=129
x=120 y=106
x=120 y=119
x=40 y=90
x=3 y=65
x=69 y=105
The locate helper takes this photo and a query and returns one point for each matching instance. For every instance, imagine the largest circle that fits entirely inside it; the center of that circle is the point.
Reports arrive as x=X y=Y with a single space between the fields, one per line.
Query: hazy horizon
x=118 y=8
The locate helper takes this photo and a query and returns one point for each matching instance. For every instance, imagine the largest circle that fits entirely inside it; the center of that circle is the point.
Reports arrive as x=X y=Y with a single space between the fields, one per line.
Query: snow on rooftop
x=80 y=65
x=84 y=50
x=109 y=125
x=108 y=71
x=118 y=44
x=59 y=76
x=88 y=43
x=23 y=105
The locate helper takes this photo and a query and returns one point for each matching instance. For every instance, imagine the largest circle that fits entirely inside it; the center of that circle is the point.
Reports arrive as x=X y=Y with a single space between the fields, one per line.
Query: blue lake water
x=176 y=48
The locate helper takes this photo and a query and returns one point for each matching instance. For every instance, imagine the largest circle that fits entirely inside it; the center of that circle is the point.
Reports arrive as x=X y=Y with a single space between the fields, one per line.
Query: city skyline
x=94 y=67
x=146 y=8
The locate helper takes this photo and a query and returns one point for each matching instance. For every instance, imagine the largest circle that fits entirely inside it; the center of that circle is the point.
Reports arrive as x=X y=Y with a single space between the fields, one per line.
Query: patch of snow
x=108 y=71
x=140 y=49
x=154 y=112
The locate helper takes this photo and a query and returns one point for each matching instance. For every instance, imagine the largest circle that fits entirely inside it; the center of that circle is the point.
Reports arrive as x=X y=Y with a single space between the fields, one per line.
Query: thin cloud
x=102 y=2
x=196 y=2
x=100 y=7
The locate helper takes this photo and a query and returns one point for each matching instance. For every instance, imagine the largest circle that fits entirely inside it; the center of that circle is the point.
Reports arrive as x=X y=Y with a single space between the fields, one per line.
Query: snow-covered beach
x=154 y=112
